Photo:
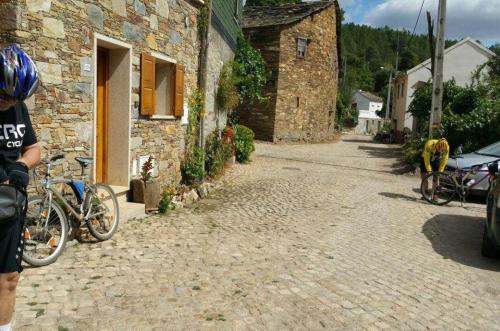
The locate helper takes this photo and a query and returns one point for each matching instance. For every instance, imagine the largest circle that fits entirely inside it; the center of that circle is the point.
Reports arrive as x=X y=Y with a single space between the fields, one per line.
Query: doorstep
x=128 y=210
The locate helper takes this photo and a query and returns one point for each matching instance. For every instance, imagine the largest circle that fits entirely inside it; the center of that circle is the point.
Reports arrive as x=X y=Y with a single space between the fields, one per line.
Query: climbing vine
x=250 y=68
x=203 y=20
x=193 y=168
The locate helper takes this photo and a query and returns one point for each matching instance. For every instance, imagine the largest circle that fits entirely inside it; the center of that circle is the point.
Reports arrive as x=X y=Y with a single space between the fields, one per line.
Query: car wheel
x=488 y=249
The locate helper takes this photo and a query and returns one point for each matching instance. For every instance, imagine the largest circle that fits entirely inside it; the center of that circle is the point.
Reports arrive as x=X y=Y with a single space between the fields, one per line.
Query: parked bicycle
x=52 y=215
x=440 y=188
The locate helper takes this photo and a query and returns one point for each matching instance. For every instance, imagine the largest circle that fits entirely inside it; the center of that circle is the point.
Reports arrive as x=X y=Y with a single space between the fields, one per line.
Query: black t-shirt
x=16 y=132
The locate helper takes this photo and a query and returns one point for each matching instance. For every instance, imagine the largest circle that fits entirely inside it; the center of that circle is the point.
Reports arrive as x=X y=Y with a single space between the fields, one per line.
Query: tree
x=381 y=80
x=408 y=60
x=494 y=63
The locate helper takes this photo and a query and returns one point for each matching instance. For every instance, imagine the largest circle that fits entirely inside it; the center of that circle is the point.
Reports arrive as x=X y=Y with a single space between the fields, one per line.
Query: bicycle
x=47 y=227
x=446 y=185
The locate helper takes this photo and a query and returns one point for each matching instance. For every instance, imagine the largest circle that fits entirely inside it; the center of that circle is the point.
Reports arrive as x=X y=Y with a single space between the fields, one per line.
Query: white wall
x=375 y=106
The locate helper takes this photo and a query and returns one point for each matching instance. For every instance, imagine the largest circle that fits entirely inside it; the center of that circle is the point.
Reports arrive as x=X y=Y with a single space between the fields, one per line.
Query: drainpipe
x=203 y=72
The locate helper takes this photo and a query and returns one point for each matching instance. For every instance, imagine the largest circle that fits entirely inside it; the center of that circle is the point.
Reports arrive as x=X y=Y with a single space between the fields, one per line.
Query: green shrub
x=243 y=141
x=166 y=200
x=412 y=150
x=194 y=169
x=218 y=151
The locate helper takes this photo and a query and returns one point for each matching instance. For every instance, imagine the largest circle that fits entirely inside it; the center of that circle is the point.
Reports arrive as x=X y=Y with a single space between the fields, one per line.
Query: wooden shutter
x=179 y=91
x=148 y=85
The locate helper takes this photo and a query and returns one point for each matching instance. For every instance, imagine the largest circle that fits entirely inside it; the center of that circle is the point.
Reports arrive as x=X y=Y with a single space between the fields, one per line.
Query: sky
x=478 y=19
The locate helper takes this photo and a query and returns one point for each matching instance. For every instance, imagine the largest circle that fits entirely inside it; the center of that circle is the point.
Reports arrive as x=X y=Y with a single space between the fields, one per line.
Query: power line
x=416 y=23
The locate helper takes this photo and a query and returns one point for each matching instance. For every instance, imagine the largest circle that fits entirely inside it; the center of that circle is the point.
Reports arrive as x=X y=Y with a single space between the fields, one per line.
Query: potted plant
x=146 y=190
x=227 y=136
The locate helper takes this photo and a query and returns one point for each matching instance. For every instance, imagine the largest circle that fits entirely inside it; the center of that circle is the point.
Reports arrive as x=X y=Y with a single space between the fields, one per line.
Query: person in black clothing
x=19 y=152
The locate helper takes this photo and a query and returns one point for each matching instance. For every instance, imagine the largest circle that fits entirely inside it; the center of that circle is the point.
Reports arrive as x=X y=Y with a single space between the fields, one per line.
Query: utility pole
x=397 y=55
x=437 y=88
x=389 y=93
x=389 y=97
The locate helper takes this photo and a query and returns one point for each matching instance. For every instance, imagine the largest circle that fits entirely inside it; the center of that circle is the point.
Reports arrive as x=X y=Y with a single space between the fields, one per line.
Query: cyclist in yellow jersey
x=434 y=157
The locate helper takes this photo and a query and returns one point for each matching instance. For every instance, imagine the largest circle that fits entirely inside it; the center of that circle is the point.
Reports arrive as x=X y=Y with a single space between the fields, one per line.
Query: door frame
x=111 y=43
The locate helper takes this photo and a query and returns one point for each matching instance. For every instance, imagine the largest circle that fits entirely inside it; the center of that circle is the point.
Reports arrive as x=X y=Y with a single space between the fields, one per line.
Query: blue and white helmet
x=18 y=74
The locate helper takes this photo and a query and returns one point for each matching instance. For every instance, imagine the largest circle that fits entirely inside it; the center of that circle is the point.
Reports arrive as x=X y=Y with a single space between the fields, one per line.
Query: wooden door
x=102 y=114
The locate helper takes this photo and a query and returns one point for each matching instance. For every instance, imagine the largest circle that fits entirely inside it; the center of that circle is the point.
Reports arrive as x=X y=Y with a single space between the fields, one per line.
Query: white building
x=368 y=104
x=461 y=61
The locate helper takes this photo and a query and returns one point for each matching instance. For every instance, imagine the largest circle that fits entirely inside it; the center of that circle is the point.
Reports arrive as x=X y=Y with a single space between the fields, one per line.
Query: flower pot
x=148 y=193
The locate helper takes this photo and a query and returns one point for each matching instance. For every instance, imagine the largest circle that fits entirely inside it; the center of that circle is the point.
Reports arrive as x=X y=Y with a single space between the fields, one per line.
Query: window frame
x=305 y=42
x=158 y=58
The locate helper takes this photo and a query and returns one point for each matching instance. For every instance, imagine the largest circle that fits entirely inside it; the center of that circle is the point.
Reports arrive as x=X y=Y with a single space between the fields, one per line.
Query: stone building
x=300 y=44
x=115 y=79
x=116 y=76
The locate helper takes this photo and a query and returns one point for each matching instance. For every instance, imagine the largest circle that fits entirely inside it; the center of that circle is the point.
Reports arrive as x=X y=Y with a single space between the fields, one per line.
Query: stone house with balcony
x=300 y=44
x=115 y=78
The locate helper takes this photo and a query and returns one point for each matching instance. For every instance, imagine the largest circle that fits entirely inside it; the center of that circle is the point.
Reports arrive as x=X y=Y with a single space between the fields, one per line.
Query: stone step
x=128 y=210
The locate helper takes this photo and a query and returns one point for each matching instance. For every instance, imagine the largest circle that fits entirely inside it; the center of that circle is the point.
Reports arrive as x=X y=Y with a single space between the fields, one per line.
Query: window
x=301 y=47
x=402 y=89
x=162 y=87
x=298 y=102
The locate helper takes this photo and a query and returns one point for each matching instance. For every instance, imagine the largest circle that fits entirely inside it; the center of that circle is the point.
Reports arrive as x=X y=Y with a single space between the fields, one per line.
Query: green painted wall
x=226 y=11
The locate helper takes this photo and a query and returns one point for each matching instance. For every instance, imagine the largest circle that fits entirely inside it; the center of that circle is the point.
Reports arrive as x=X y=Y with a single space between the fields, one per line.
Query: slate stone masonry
x=301 y=91
x=60 y=37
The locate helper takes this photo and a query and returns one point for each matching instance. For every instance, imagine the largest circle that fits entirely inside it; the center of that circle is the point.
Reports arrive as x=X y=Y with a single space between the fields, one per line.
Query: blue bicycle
x=47 y=227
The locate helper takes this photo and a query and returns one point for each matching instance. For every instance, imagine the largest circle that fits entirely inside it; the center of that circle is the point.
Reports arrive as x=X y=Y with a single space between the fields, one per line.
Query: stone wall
x=261 y=117
x=60 y=37
x=307 y=88
x=219 y=52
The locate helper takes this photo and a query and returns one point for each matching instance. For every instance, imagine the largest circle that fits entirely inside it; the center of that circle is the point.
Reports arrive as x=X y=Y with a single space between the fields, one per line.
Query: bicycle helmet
x=441 y=145
x=18 y=74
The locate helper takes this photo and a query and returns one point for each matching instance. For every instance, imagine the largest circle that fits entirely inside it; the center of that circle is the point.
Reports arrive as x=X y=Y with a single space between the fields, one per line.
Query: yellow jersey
x=430 y=154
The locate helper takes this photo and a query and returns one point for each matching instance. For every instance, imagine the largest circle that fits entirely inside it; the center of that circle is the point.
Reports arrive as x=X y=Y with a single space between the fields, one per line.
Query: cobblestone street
x=326 y=236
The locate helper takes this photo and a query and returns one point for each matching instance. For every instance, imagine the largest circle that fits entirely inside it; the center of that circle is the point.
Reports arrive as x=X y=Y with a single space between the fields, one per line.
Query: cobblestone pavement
x=315 y=237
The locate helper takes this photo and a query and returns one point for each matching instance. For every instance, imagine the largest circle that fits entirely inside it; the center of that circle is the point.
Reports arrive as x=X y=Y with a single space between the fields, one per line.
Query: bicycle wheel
x=102 y=211
x=438 y=188
x=44 y=237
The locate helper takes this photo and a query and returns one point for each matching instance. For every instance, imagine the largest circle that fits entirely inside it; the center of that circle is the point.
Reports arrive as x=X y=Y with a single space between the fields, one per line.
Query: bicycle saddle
x=84 y=161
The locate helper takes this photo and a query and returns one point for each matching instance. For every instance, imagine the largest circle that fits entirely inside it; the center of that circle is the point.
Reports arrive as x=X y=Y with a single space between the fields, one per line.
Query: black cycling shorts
x=11 y=246
x=434 y=165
